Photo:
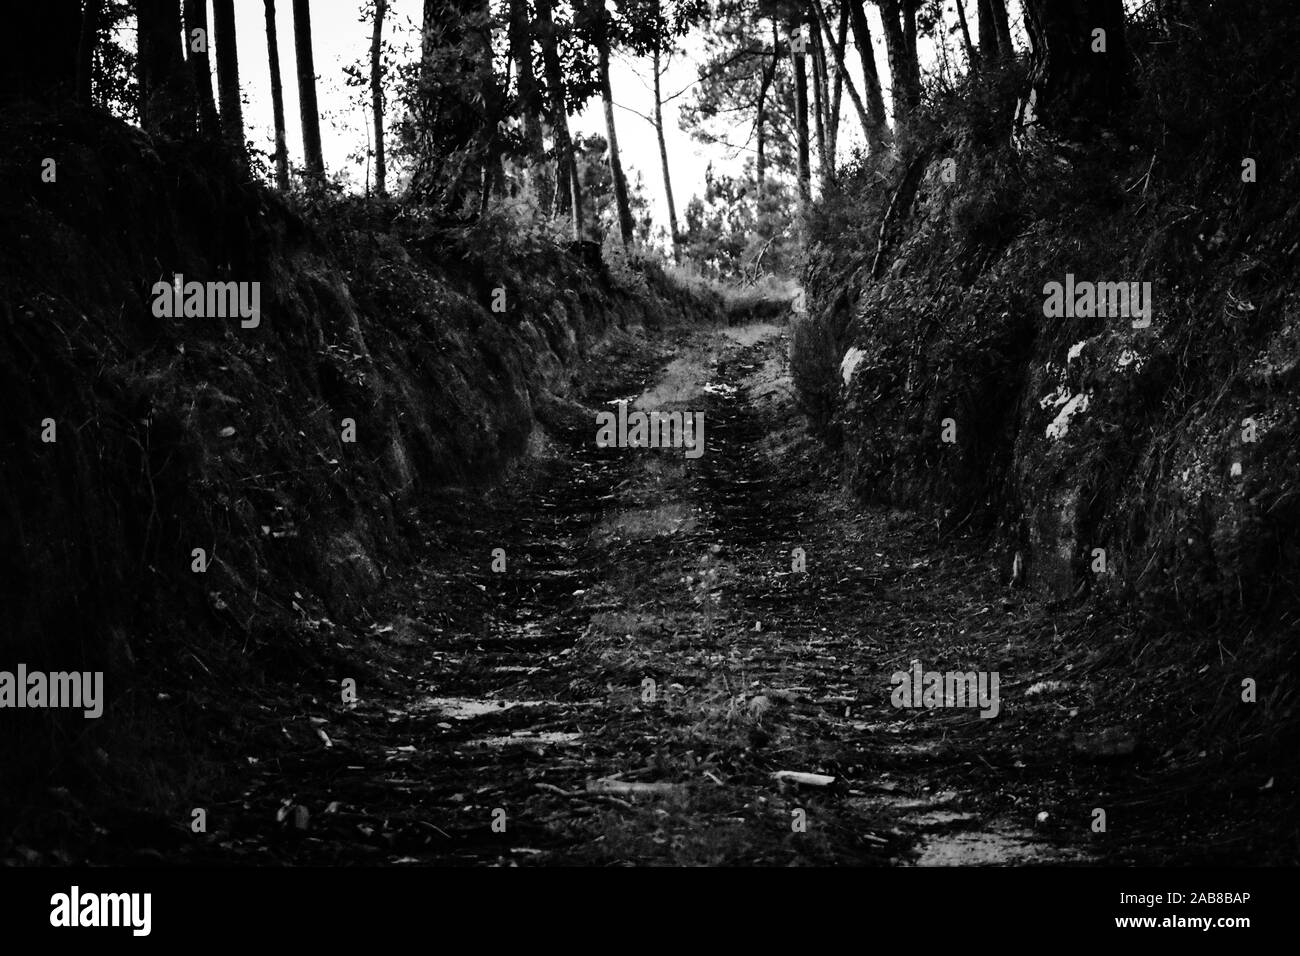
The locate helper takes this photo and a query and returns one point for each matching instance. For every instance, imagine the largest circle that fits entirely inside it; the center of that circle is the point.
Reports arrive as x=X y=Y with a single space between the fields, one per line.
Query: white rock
x=1061 y=424
x=850 y=363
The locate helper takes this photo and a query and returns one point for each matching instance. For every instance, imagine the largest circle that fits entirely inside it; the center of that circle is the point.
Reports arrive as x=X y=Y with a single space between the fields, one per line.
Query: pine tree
x=313 y=157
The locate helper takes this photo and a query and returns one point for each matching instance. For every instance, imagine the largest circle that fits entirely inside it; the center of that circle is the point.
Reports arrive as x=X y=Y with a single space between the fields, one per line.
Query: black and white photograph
x=845 y=449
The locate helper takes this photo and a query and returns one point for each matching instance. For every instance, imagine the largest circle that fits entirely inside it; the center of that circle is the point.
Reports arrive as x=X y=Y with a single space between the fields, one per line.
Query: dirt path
x=625 y=690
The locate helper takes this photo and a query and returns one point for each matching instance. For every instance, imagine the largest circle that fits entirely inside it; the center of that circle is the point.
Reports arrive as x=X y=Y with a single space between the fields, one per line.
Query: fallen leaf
x=631 y=787
x=807 y=779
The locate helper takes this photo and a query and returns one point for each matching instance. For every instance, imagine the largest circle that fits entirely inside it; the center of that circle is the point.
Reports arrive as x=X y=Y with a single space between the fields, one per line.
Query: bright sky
x=341 y=38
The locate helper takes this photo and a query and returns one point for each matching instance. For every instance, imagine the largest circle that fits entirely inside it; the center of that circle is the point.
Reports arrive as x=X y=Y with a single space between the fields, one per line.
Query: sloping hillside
x=180 y=495
x=1145 y=472
x=1173 y=446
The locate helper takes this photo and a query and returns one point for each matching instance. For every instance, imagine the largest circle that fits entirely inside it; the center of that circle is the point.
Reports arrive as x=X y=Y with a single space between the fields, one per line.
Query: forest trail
x=626 y=690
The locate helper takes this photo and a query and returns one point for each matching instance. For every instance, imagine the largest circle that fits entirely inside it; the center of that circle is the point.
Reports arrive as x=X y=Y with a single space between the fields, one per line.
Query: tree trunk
x=900 y=64
x=988 y=32
x=307 y=109
x=801 y=124
x=86 y=50
x=820 y=63
x=200 y=63
x=166 y=95
x=446 y=168
x=909 y=48
x=819 y=106
x=1073 y=88
x=377 y=96
x=232 y=111
x=277 y=100
x=521 y=51
x=760 y=121
x=663 y=153
x=615 y=162
x=870 y=127
x=1002 y=27
x=972 y=58
x=877 y=129
x=486 y=139
x=837 y=95
x=567 y=167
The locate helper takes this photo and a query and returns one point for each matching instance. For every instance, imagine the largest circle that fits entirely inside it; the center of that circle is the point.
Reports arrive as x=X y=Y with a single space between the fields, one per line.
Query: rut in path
x=649 y=629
